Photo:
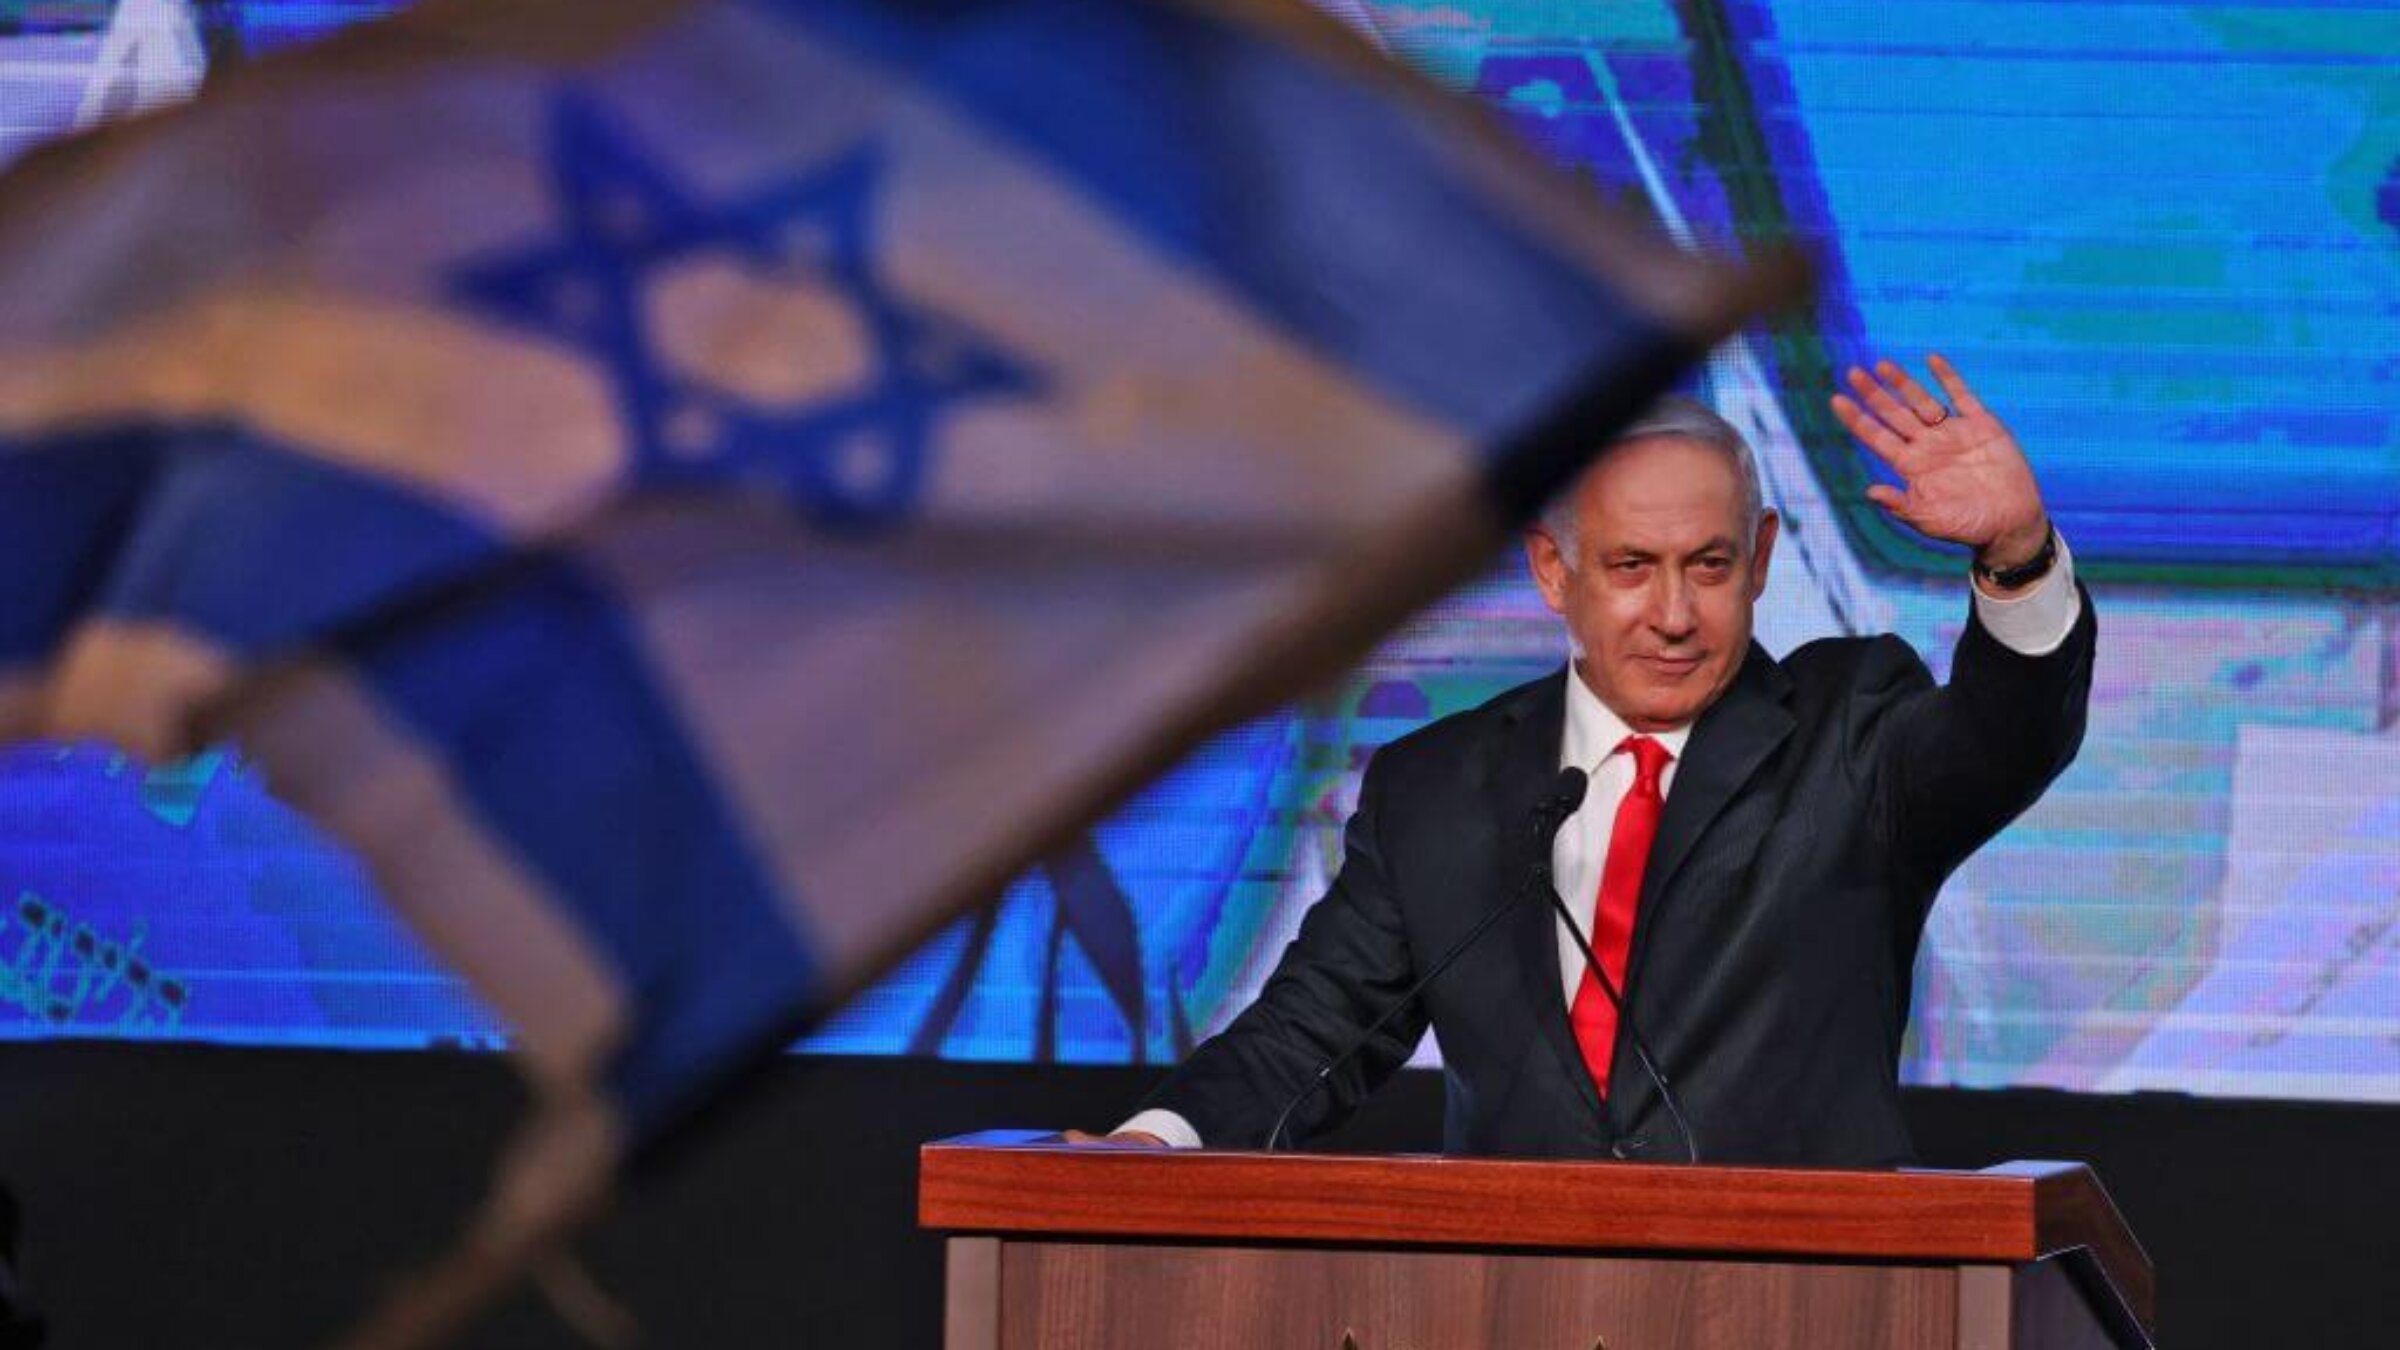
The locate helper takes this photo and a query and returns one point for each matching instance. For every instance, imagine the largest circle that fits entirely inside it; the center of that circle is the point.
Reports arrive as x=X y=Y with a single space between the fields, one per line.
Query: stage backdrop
x=2164 y=241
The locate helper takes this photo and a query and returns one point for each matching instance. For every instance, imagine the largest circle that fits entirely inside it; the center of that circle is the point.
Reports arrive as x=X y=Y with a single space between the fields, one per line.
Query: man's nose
x=1671 y=610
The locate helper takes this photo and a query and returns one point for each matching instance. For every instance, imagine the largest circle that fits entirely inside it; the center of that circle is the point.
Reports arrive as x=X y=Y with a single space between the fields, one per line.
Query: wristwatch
x=2027 y=572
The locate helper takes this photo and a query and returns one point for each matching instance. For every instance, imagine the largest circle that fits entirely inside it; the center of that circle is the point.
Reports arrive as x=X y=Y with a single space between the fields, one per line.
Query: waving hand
x=1963 y=479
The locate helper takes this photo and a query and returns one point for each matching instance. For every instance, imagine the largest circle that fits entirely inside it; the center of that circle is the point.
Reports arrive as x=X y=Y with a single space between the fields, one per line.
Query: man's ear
x=1762 y=551
x=1549 y=567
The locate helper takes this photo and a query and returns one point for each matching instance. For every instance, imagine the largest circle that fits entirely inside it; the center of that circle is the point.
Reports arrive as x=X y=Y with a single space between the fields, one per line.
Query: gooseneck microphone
x=1633 y=1030
x=1566 y=794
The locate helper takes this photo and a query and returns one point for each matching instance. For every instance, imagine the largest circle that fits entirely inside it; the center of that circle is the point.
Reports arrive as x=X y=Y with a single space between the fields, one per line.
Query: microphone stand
x=1633 y=1030
x=1553 y=811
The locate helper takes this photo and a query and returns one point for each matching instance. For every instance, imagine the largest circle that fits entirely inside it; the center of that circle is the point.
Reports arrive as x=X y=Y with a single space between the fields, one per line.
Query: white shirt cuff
x=1167 y=1125
x=2037 y=622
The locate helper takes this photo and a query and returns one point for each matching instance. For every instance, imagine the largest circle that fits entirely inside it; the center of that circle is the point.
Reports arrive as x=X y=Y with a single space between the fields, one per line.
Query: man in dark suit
x=1756 y=855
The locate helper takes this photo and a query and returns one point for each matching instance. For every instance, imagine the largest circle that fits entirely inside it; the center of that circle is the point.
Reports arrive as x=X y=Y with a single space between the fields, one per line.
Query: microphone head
x=1566 y=794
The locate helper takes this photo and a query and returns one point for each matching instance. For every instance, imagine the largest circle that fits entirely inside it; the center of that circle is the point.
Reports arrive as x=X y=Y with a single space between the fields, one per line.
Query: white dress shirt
x=2034 y=623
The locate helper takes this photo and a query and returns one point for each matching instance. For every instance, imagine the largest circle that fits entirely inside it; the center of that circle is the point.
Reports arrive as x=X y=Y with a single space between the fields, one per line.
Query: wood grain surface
x=1014 y=1183
x=1076 y=1296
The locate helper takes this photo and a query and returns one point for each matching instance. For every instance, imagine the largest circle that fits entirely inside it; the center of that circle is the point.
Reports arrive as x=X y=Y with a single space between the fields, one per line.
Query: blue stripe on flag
x=536 y=695
x=65 y=504
x=260 y=548
x=1233 y=153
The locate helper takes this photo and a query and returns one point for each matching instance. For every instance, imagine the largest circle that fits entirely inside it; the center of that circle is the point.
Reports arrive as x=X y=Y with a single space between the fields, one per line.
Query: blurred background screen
x=2162 y=239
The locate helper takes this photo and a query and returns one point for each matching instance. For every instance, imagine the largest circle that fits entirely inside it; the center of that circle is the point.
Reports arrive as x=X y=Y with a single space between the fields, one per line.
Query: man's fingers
x=1893 y=413
x=1924 y=405
x=1887 y=444
x=1121 y=1139
x=1955 y=385
x=1896 y=504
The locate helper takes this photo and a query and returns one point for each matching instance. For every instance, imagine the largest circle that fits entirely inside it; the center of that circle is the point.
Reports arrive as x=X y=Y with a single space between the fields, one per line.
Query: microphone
x=1633 y=1030
x=1566 y=794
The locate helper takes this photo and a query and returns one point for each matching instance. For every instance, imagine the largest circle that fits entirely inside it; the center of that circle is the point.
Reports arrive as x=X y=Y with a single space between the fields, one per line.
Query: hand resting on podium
x=1120 y=1139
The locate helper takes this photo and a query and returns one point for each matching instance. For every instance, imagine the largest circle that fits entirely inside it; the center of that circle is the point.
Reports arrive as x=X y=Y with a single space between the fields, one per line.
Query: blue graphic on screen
x=2162 y=239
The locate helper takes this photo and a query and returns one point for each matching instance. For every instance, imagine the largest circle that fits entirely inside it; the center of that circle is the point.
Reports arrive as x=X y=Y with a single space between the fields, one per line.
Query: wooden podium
x=1060 y=1248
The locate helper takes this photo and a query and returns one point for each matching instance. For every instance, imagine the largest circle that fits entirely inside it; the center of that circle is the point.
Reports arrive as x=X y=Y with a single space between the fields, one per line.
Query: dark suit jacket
x=1819 y=806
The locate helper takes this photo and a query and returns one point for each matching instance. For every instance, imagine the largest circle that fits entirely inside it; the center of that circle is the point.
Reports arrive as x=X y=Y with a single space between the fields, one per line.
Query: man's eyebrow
x=1636 y=553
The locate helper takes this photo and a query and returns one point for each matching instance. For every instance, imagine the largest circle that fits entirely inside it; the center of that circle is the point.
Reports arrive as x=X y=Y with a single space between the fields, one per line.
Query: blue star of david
x=859 y=459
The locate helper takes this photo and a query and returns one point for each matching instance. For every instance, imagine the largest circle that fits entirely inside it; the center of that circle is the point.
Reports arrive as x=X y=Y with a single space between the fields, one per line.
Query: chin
x=1678 y=706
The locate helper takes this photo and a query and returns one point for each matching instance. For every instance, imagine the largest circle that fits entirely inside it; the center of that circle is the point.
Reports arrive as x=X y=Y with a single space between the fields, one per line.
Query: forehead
x=1661 y=490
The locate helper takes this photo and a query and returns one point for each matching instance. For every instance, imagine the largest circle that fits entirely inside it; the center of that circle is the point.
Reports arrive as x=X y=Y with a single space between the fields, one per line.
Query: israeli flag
x=698 y=493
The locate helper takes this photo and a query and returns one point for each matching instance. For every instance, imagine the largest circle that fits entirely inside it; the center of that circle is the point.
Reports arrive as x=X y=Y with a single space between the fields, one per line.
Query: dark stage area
x=242 y=1198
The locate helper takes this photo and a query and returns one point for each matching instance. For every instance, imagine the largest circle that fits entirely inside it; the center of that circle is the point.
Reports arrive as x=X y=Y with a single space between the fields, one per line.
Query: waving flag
x=698 y=493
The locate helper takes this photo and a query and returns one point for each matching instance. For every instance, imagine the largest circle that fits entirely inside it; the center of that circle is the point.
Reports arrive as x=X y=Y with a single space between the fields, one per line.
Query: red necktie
x=1593 y=1016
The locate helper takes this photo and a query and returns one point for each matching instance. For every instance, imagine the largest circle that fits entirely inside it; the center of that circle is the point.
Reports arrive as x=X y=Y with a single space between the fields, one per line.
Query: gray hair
x=1671 y=415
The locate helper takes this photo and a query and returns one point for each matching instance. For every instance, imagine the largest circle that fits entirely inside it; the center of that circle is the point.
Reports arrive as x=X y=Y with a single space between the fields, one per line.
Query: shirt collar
x=1594 y=732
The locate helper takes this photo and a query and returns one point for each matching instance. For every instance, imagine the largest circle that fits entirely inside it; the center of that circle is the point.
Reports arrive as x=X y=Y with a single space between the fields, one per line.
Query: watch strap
x=2027 y=572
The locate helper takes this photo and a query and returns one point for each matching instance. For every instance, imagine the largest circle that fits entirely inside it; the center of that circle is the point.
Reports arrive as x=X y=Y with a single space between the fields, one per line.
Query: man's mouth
x=1674 y=667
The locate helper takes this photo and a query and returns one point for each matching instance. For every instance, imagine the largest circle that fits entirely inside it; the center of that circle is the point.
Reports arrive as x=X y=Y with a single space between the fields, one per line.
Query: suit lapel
x=1528 y=764
x=1727 y=745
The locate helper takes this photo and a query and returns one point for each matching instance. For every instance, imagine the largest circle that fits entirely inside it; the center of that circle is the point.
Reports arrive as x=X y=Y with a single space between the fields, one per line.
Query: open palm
x=1963 y=479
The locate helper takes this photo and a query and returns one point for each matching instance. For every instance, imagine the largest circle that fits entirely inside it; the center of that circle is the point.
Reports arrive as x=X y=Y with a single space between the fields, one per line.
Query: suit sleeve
x=1349 y=963
x=1957 y=763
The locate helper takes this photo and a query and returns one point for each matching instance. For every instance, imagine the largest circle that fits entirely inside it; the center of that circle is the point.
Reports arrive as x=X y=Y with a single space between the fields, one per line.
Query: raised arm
x=1958 y=763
